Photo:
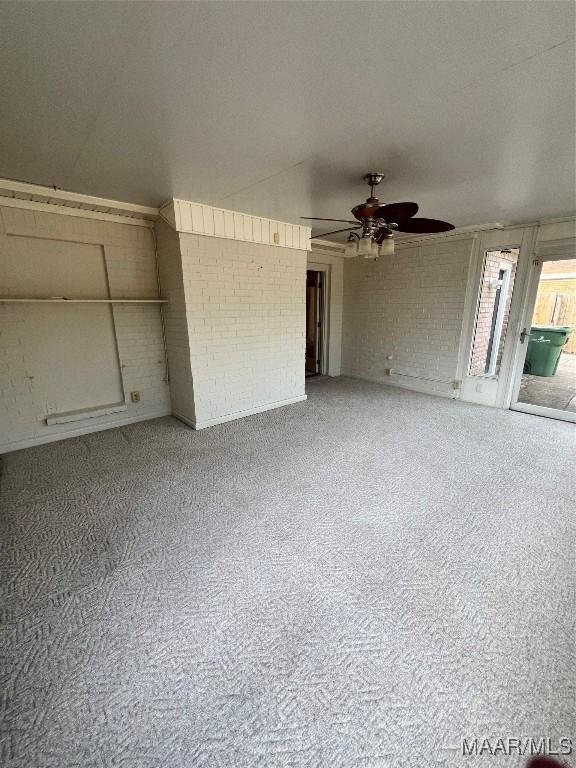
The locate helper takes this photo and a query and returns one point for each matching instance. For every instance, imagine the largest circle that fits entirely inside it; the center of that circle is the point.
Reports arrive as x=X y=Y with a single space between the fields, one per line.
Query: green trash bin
x=545 y=348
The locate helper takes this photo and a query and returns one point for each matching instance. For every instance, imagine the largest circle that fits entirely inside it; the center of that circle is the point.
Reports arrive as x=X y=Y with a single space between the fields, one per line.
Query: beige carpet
x=363 y=579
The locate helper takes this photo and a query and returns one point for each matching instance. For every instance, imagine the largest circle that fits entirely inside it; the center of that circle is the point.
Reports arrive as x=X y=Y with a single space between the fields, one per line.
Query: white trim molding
x=558 y=276
x=33 y=197
x=564 y=247
x=237 y=414
x=201 y=219
x=85 y=429
x=425 y=386
x=329 y=246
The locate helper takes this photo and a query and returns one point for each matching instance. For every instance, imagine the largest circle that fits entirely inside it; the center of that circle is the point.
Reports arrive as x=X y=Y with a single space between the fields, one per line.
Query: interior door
x=545 y=372
x=313 y=321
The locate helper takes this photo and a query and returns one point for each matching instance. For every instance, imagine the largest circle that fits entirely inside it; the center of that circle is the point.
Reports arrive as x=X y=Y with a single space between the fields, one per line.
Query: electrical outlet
x=455 y=385
x=135 y=396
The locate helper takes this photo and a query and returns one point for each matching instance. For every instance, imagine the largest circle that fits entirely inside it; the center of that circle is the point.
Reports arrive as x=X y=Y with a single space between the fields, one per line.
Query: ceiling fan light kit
x=365 y=247
x=368 y=247
x=386 y=247
x=374 y=224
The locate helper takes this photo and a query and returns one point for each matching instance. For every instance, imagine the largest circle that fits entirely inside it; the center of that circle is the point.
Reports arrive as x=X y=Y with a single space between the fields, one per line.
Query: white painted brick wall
x=129 y=254
x=178 y=344
x=246 y=309
x=409 y=306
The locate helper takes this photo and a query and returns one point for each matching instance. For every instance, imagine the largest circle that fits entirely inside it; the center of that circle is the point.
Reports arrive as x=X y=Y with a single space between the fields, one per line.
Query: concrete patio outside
x=558 y=391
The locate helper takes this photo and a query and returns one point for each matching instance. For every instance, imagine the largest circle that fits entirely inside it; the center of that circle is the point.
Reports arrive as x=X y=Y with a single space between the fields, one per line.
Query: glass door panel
x=548 y=381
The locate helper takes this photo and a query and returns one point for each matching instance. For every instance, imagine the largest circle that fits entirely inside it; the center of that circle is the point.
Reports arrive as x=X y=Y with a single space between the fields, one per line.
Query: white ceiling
x=278 y=108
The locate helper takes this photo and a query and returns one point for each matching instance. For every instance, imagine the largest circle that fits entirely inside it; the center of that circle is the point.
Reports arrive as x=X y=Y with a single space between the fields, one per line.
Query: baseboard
x=238 y=414
x=424 y=386
x=184 y=419
x=78 y=432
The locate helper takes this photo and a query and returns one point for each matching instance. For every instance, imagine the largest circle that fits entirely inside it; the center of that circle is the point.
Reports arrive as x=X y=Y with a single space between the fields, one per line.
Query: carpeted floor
x=360 y=580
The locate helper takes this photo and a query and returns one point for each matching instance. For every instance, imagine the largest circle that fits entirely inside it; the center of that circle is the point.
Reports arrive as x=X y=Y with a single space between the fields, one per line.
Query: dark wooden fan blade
x=338 y=221
x=335 y=232
x=423 y=226
x=364 y=211
x=395 y=212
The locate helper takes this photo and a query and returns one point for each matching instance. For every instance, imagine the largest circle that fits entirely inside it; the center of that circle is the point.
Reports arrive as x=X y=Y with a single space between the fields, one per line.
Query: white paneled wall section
x=136 y=357
x=199 y=219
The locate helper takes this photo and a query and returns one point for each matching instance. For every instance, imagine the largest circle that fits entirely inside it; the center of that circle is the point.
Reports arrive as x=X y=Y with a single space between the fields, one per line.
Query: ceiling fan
x=378 y=222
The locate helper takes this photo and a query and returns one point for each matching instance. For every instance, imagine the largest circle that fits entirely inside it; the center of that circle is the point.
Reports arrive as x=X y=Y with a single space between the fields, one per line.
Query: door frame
x=494 y=390
x=559 y=250
x=323 y=336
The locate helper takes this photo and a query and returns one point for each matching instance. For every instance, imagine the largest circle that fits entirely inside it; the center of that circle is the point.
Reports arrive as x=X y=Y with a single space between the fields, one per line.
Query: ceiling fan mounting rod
x=373 y=179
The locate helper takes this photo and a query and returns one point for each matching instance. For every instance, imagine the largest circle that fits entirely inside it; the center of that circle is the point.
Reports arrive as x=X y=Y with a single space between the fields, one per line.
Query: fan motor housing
x=373 y=178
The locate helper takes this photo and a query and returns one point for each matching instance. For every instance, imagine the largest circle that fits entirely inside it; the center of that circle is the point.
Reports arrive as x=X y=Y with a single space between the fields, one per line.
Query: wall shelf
x=81 y=301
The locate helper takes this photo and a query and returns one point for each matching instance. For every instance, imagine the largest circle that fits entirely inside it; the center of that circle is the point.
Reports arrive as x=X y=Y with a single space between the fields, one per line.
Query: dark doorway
x=314 y=314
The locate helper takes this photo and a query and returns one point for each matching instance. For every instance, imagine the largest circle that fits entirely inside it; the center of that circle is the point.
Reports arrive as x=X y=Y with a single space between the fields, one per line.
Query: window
x=495 y=296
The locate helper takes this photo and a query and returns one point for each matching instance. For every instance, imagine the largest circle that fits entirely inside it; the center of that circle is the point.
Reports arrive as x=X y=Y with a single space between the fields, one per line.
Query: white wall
x=405 y=313
x=176 y=323
x=55 y=358
x=246 y=309
x=333 y=267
